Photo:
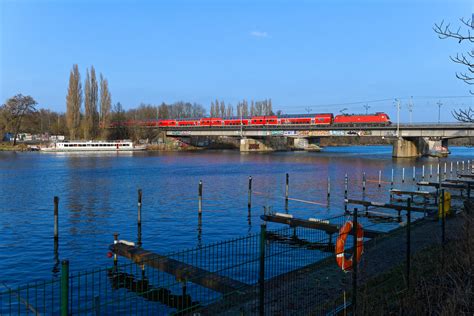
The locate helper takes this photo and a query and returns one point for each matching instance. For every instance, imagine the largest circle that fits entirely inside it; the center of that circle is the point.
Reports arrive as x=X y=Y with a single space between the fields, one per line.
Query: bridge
x=409 y=140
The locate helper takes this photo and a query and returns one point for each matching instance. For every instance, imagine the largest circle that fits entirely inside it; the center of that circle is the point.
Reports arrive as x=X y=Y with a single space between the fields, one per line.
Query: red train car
x=264 y=120
x=236 y=122
x=165 y=123
x=188 y=123
x=376 y=119
x=323 y=119
x=211 y=121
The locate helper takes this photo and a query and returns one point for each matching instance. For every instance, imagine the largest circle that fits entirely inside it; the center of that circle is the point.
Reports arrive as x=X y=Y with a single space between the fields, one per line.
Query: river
x=98 y=196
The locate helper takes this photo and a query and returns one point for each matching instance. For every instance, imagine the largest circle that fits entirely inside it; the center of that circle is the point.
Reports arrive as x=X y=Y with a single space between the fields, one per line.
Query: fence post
x=354 y=263
x=408 y=240
x=261 y=277
x=249 y=204
x=65 y=288
x=139 y=218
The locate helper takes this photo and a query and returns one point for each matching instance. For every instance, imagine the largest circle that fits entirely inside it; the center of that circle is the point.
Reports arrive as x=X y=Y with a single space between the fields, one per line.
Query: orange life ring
x=346 y=263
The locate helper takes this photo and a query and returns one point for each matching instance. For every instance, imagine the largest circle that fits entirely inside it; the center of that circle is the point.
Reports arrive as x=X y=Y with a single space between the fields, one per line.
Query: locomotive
x=324 y=119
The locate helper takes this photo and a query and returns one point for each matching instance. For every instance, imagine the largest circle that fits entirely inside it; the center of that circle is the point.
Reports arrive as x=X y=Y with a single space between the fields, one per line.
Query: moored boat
x=93 y=146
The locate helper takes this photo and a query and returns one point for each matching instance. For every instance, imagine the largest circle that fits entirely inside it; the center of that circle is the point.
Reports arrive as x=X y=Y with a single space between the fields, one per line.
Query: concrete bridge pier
x=419 y=146
x=264 y=144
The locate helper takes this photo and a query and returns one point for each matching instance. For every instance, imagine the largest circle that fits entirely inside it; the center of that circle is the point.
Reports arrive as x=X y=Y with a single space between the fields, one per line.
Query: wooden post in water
x=423 y=172
x=457 y=166
x=380 y=178
x=346 y=184
x=249 y=204
x=445 y=168
x=463 y=165
x=403 y=175
x=439 y=175
x=286 y=190
x=139 y=218
x=200 y=197
x=414 y=173
x=391 y=181
x=431 y=171
x=56 y=208
x=329 y=188
x=451 y=170
x=363 y=182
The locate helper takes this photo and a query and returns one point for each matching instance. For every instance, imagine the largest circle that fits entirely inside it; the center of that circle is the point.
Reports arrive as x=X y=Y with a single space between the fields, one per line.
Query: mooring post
x=431 y=171
x=65 y=288
x=463 y=165
x=439 y=174
x=287 y=186
x=139 y=218
x=391 y=181
x=457 y=166
x=346 y=184
x=329 y=188
x=354 y=263
x=445 y=165
x=408 y=240
x=414 y=173
x=403 y=175
x=380 y=178
x=363 y=182
x=115 y=255
x=249 y=204
x=451 y=169
x=261 y=277
x=56 y=207
x=200 y=197
x=423 y=172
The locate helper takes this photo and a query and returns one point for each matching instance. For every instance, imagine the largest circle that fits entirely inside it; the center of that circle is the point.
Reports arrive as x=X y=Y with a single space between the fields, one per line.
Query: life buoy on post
x=346 y=263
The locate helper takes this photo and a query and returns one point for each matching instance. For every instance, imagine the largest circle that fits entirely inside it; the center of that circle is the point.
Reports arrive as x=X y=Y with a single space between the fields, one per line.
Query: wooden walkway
x=180 y=270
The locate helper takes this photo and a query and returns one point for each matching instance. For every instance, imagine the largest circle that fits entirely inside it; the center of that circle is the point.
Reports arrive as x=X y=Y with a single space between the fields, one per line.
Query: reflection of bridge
x=410 y=140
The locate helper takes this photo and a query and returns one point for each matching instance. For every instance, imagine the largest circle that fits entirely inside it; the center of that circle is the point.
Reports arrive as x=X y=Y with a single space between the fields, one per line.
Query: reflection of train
x=327 y=119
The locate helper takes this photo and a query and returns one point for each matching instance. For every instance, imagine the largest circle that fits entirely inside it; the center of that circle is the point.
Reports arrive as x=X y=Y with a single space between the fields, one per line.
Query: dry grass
x=442 y=280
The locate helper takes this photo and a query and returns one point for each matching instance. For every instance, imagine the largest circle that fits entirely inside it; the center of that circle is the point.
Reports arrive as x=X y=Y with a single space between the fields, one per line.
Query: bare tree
x=464 y=115
x=17 y=108
x=74 y=103
x=466 y=59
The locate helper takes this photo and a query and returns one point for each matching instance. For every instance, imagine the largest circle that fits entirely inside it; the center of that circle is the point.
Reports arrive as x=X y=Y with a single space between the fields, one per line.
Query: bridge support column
x=419 y=146
x=300 y=143
x=254 y=145
x=408 y=147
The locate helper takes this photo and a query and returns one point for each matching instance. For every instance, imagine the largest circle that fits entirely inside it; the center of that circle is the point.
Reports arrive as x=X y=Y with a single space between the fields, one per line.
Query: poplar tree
x=74 y=103
x=105 y=104
x=91 y=115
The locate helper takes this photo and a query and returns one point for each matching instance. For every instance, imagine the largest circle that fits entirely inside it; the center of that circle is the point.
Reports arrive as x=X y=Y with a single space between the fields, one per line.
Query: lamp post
x=410 y=109
x=439 y=111
x=398 y=117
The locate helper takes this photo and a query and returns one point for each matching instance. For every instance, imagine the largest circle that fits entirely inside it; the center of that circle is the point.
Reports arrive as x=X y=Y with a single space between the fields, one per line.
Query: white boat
x=93 y=146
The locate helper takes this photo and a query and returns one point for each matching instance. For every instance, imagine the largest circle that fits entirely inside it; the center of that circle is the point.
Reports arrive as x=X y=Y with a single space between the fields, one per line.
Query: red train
x=326 y=119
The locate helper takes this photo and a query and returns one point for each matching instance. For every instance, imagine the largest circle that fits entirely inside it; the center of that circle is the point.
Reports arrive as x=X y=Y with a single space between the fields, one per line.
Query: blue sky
x=317 y=54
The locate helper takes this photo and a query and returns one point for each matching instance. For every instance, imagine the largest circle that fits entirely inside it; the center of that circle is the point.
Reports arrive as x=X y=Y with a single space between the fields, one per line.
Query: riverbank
x=10 y=147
